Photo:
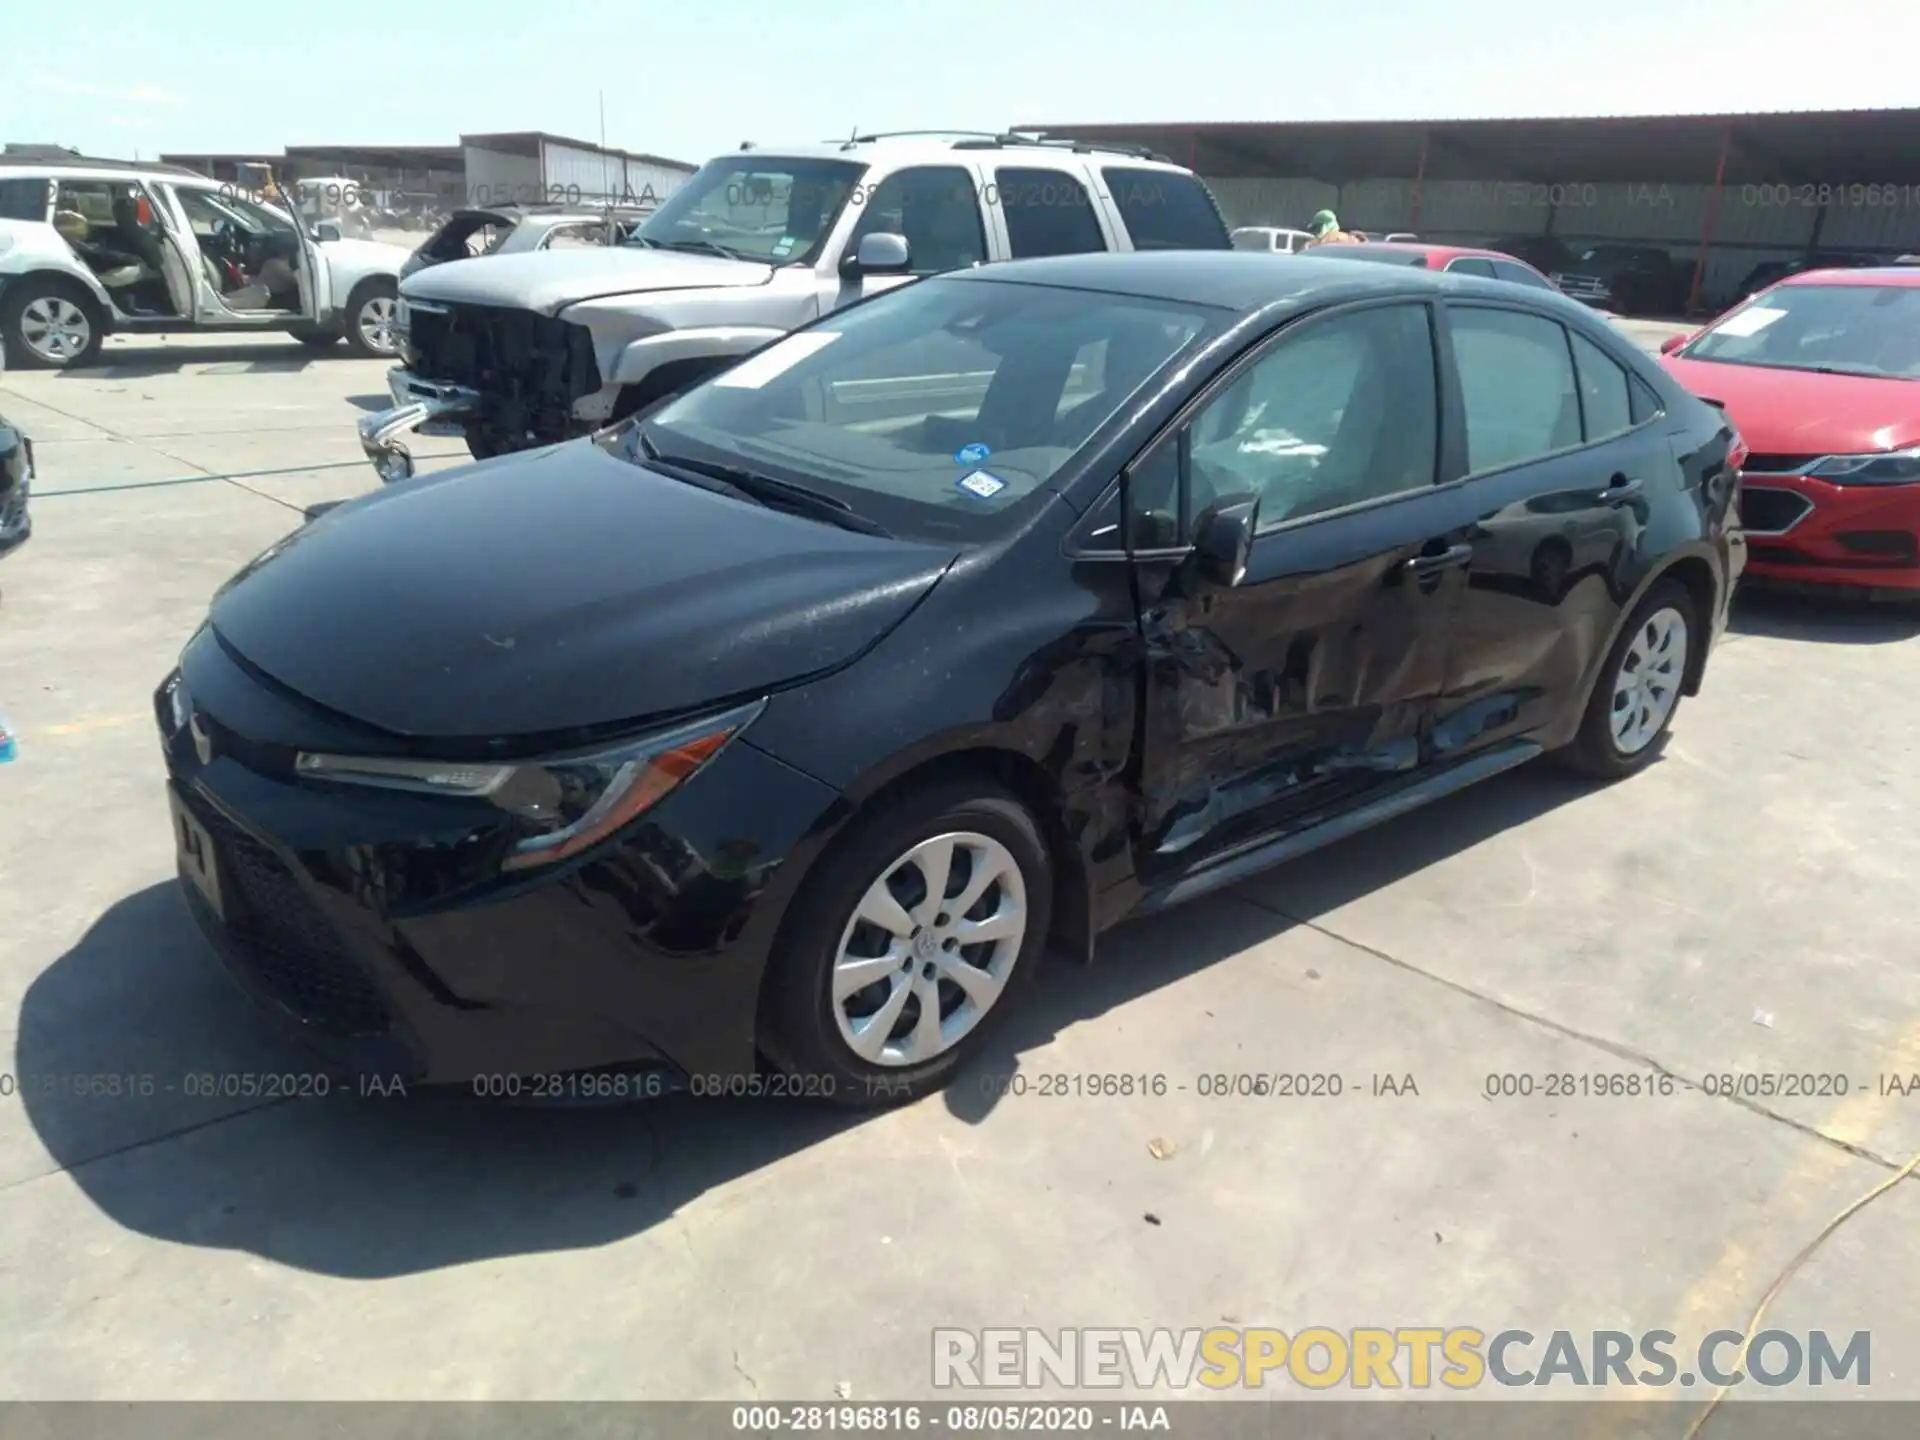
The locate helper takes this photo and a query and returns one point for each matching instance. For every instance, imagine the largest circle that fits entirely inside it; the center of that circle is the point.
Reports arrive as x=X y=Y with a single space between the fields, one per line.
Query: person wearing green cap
x=1325 y=229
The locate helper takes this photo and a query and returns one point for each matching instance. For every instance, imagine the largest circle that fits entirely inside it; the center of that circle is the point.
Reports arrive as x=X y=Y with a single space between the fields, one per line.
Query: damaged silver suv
x=518 y=351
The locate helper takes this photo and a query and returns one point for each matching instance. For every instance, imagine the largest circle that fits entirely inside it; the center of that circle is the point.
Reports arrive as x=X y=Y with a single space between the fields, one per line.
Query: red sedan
x=1820 y=375
x=1454 y=259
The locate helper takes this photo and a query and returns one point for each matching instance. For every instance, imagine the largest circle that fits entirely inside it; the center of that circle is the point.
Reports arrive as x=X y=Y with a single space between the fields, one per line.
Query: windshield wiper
x=700 y=247
x=764 y=490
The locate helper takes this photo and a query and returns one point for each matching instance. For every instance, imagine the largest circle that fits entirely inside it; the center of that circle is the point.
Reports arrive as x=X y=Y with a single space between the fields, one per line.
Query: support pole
x=1713 y=214
x=1419 y=178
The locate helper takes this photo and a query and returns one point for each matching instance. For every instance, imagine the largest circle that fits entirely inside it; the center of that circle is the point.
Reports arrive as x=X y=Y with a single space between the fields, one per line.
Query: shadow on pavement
x=135 y=363
x=366 y=1187
x=1789 y=615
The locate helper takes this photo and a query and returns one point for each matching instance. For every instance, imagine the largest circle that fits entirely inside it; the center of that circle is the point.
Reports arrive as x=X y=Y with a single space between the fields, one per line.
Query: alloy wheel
x=55 y=329
x=1646 y=687
x=929 y=949
x=375 y=323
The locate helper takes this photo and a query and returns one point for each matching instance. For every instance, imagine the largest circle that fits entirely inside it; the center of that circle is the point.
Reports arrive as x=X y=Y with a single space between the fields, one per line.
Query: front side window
x=1516 y=381
x=1850 y=329
x=934 y=408
x=935 y=209
x=1165 y=210
x=1340 y=411
x=1048 y=212
x=747 y=207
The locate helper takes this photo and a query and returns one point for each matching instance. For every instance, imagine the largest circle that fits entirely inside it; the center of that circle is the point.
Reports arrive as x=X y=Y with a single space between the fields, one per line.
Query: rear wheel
x=315 y=339
x=908 y=942
x=50 y=323
x=1639 y=689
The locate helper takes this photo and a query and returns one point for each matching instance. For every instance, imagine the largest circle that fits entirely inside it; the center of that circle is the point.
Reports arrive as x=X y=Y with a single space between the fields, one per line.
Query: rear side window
x=1048 y=213
x=1520 y=275
x=1646 y=404
x=24 y=199
x=1516 y=382
x=1604 y=392
x=1163 y=210
x=1481 y=268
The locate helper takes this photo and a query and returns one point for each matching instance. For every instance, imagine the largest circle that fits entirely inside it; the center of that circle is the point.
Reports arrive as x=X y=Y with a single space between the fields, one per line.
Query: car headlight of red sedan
x=567 y=802
x=1890 y=467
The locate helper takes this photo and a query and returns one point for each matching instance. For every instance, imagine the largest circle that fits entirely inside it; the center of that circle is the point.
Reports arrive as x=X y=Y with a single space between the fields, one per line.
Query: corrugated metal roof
x=1717 y=117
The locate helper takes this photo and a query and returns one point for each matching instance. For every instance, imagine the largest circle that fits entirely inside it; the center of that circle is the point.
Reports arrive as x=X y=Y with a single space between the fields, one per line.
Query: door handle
x=1445 y=560
x=1620 y=488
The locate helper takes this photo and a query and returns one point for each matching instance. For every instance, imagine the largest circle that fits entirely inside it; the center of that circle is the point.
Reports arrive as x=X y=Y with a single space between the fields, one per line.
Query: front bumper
x=424 y=406
x=355 y=917
x=1805 y=531
x=16 y=524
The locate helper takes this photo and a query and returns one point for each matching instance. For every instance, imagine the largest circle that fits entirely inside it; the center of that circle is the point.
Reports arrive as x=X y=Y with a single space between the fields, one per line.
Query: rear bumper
x=419 y=406
x=1821 y=534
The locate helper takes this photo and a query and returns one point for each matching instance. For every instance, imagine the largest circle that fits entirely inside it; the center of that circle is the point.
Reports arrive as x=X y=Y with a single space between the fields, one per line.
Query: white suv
x=91 y=247
x=515 y=351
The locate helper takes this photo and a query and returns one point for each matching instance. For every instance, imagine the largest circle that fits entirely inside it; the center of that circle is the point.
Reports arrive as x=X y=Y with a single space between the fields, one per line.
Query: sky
x=694 y=79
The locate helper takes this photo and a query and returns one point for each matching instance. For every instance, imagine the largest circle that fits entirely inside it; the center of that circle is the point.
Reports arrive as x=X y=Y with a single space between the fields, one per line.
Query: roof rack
x=858 y=139
x=1077 y=147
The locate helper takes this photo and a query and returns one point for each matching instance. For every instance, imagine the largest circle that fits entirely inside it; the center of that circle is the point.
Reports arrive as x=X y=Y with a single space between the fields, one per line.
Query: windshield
x=1847 y=329
x=753 y=207
x=937 y=406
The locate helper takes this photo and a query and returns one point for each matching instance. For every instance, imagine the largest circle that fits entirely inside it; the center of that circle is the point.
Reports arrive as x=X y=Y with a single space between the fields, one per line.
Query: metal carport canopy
x=1812 y=147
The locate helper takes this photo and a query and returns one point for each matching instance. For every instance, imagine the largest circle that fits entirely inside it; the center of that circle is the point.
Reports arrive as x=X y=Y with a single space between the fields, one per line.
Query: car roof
x=1239 y=280
x=18 y=165
x=1905 y=276
x=1421 y=247
x=911 y=148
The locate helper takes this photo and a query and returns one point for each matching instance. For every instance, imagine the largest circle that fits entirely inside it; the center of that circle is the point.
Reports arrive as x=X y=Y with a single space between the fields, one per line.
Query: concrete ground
x=1744 y=906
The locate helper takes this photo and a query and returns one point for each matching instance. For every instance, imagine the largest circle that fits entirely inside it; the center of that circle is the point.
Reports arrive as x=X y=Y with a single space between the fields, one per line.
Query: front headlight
x=568 y=802
x=1891 y=467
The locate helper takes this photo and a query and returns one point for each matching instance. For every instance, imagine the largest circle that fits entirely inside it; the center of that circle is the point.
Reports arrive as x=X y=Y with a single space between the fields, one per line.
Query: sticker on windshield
x=784 y=246
x=776 y=359
x=1750 y=321
x=971 y=454
x=982 y=484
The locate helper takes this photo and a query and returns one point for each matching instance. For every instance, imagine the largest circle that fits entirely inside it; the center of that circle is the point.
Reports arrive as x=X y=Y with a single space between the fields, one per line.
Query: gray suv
x=518 y=351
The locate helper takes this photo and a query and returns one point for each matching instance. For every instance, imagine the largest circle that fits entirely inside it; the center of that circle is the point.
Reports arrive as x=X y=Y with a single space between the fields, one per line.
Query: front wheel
x=1639 y=688
x=370 y=315
x=910 y=940
x=315 y=339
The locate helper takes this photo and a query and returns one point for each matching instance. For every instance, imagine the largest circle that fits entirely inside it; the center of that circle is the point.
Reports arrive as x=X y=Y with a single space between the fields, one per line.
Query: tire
x=370 y=318
x=317 y=339
x=807 y=1031
x=1599 y=749
x=51 y=306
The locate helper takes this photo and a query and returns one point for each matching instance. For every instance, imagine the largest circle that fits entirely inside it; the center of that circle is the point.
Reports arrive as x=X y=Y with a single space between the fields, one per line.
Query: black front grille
x=515 y=354
x=1776 y=464
x=280 y=937
x=1766 y=511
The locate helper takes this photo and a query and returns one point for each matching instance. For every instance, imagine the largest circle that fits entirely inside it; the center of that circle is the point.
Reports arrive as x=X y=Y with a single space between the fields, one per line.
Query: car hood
x=1797 y=412
x=558 y=589
x=368 y=254
x=547 y=281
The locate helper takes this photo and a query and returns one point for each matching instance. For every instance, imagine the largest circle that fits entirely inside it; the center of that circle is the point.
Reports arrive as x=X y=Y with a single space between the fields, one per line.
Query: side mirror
x=1223 y=540
x=326 y=231
x=880 y=253
x=1673 y=343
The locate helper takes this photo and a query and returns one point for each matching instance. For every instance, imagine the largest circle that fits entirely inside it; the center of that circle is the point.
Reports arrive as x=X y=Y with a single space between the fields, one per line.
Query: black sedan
x=16 y=481
x=771 y=737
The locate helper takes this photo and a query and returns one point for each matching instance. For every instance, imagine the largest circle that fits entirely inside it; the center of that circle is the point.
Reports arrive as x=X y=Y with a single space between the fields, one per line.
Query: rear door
x=1048 y=210
x=1312 y=684
x=1558 y=468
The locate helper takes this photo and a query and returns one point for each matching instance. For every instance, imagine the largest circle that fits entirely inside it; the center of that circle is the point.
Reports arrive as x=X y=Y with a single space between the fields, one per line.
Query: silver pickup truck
x=518 y=351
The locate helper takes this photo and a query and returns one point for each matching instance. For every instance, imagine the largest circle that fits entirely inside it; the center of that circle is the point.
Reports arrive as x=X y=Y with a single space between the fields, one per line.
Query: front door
x=1313 y=683
x=1558 y=455
x=254 y=263
x=937 y=208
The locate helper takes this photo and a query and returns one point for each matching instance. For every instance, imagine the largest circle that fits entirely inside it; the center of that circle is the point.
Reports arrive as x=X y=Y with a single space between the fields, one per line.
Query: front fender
x=643 y=356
